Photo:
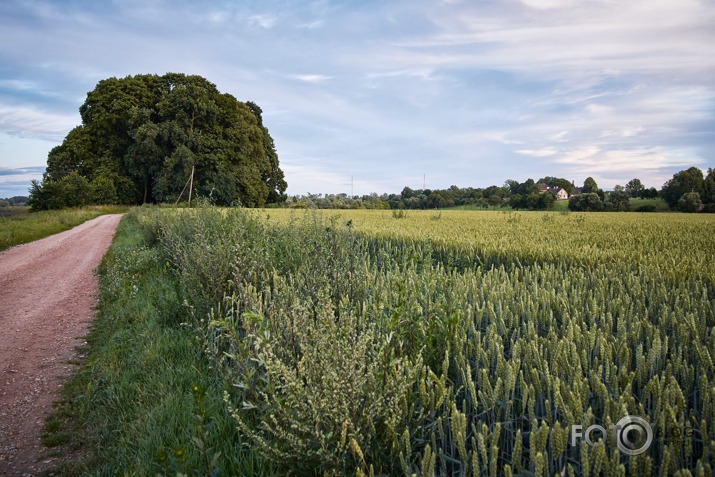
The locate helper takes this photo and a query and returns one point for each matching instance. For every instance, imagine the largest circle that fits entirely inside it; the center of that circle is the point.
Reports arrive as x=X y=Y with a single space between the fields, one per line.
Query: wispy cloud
x=17 y=181
x=33 y=123
x=311 y=78
x=263 y=21
x=6 y=171
x=546 y=152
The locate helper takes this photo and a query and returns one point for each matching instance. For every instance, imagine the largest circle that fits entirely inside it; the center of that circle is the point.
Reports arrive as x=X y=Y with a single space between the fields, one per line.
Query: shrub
x=689 y=202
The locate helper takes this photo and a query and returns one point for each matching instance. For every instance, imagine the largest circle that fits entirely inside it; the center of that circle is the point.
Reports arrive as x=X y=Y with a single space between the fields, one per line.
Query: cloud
x=314 y=179
x=263 y=21
x=17 y=181
x=462 y=91
x=579 y=40
x=559 y=137
x=311 y=78
x=546 y=152
x=311 y=25
x=32 y=123
x=5 y=171
x=578 y=156
x=501 y=137
x=549 y=4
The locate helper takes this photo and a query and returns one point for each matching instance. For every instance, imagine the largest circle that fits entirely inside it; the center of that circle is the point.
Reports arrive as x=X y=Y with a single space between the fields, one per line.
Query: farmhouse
x=560 y=193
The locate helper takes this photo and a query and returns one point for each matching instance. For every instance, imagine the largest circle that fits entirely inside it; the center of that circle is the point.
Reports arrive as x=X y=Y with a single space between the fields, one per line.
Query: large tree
x=589 y=186
x=141 y=136
x=634 y=188
x=683 y=182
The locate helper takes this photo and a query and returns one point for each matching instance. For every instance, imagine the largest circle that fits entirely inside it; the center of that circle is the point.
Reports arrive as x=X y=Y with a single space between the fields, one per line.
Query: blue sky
x=387 y=92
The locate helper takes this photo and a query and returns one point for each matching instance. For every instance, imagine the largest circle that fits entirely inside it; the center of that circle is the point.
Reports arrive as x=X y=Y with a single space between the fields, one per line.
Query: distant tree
x=528 y=187
x=650 y=193
x=517 y=201
x=540 y=201
x=689 y=202
x=634 y=187
x=689 y=180
x=15 y=200
x=589 y=186
x=528 y=196
x=708 y=195
x=496 y=200
x=512 y=185
x=586 y=202
x=618 y=201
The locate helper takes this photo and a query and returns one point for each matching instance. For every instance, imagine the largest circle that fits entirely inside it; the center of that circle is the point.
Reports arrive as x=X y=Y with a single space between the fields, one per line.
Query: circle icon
x=634 y=435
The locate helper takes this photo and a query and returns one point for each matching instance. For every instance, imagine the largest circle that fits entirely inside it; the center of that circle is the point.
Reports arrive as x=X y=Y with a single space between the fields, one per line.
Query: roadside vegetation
x=146 y=400
x=375 y=343
x=18 y=225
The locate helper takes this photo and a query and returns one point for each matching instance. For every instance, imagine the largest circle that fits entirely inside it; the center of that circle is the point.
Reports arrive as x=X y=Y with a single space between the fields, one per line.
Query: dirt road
x=48 y=292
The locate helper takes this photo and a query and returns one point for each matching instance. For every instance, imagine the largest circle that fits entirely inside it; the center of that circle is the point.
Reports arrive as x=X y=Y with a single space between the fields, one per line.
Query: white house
x=560 y=193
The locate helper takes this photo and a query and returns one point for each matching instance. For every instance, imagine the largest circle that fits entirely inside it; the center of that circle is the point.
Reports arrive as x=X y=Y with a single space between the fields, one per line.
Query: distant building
x=577 y=190
x=559 y=192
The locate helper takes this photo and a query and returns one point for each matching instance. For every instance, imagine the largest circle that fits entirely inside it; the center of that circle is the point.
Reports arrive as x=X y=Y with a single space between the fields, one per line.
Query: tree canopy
x=141 y=136
x=689 y=180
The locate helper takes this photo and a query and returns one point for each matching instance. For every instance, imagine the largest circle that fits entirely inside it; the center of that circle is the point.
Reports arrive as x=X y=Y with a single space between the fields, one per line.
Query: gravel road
x=48 y=294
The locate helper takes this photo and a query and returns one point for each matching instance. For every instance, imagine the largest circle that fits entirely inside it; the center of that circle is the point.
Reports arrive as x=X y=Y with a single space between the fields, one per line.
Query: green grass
x=18 y=225
x=659 y=204
x=145 y=401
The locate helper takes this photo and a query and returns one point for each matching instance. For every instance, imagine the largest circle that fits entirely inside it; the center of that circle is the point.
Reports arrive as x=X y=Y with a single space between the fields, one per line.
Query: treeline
x=143 y=136
x=687 y=191
x=16 y=200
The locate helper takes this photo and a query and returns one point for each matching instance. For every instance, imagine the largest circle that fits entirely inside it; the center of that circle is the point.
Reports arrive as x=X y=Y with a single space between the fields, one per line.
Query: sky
x=372 y=96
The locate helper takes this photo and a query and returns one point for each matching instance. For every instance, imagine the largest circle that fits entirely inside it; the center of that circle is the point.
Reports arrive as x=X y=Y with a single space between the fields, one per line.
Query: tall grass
x=18 y=228
x=146 y=400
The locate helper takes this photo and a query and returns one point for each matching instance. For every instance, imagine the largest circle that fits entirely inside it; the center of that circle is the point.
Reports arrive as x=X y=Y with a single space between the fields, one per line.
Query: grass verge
x=19 y=226
x=145 y=401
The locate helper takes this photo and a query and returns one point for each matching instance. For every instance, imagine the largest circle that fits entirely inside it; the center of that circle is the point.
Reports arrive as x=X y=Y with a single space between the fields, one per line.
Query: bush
x=586 y=202
x=646 y=208
x=689 y=202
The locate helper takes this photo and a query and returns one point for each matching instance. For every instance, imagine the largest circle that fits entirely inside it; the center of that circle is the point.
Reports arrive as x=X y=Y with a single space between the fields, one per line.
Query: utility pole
x=424 y=181
x=352 y=187
x=191 y=184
